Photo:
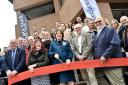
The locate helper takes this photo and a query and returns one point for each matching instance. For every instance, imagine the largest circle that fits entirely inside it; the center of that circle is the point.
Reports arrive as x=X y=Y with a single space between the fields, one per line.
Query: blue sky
x=7 y=22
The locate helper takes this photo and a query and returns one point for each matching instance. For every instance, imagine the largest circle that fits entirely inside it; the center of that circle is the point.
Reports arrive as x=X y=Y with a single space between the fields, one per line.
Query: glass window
x=38 y=11
x=119 y=10
x=11 y=1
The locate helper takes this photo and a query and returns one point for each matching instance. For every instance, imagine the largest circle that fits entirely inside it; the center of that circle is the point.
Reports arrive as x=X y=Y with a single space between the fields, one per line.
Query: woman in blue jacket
x=60 y=51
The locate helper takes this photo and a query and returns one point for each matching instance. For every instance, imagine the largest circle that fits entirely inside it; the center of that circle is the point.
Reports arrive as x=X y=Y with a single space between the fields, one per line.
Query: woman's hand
x=56 y=56
x=31 y=67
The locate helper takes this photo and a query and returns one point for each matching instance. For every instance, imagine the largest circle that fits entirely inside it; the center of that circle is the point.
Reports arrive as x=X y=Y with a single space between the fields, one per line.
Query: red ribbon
x=63 y=67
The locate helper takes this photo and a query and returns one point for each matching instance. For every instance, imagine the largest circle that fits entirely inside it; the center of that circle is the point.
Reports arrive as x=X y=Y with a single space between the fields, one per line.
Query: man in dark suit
x=1 y=69
x=123 y=34
x=107 y=46
x=14 y=59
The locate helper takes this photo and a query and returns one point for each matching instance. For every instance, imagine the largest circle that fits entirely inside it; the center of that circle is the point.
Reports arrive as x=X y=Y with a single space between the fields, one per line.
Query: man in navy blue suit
x=14 y=59
x=1 y=69
x=107 y=46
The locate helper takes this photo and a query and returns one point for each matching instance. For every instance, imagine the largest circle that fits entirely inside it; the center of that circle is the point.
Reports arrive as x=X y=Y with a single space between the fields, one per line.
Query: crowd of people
x=88 y=40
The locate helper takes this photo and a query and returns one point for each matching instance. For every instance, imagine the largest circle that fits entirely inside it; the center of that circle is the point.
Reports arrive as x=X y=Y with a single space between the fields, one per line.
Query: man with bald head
x=123 y=34
x=107 y=46
x=82 y=48
x=14 y=60
x=124 y=20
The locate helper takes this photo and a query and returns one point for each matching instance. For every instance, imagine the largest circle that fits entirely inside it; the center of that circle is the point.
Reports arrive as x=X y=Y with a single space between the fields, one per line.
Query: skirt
x=40 y=80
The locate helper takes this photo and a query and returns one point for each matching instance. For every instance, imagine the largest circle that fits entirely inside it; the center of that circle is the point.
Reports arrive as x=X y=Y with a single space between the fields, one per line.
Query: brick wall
x=66 y=13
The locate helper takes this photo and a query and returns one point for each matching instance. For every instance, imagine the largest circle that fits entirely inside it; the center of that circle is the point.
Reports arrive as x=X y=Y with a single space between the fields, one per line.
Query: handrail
x=63 y=67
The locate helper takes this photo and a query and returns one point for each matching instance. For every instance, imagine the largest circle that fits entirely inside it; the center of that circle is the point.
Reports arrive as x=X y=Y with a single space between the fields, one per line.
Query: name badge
x=64 y=43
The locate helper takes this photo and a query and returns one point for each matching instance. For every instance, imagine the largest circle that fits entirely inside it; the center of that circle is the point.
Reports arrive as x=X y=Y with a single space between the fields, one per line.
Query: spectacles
x=98 y=21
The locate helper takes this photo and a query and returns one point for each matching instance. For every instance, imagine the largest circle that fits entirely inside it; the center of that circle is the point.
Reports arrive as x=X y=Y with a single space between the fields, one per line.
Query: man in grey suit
x=82 y=48
x=107 y=46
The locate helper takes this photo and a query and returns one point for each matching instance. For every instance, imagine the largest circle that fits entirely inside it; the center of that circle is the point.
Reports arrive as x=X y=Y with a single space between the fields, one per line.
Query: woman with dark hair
x=38 y=58
x=60 y=52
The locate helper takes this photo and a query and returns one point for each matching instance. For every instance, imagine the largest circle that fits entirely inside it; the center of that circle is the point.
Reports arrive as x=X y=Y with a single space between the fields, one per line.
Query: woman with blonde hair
x=115 y=24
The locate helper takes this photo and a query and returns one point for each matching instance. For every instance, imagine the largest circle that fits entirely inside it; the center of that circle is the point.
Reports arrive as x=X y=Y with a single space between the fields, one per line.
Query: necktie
x=13 y=58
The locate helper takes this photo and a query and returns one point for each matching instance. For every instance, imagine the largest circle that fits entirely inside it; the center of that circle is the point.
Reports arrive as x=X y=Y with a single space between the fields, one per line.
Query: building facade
x=46 y=12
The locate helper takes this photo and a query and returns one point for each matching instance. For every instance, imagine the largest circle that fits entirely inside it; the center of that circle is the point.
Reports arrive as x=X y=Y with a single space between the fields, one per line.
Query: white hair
x=123 y=17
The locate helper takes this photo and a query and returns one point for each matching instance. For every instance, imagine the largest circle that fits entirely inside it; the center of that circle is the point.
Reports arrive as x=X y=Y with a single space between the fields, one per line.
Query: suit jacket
x=19 y=62
x=1 y=62
x=86 y=46
x=120 y=33
x=123 y=34
x=47 y=44
x=107 y=44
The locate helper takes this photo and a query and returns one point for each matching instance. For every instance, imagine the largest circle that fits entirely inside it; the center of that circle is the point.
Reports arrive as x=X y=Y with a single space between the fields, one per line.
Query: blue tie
x=13 y=58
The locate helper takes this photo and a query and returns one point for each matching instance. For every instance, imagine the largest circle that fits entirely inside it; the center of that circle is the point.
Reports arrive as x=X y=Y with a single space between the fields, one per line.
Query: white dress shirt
x=85 y=29
x=99 y=30
x=79 y=43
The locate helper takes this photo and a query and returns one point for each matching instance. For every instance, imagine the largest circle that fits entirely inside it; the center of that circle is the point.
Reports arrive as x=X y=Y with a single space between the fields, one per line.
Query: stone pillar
x=57 y=5
x=105 y=10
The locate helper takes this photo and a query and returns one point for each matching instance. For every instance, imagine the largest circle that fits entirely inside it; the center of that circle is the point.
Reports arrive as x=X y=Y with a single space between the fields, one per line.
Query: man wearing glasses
x=107 y=46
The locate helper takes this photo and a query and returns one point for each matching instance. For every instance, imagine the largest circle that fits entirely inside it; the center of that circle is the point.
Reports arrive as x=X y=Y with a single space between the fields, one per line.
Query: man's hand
x=9 y=73
x=126 y=54
x=103 y=60
x=80 y=57
x=14 y=73
x=68 y=61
